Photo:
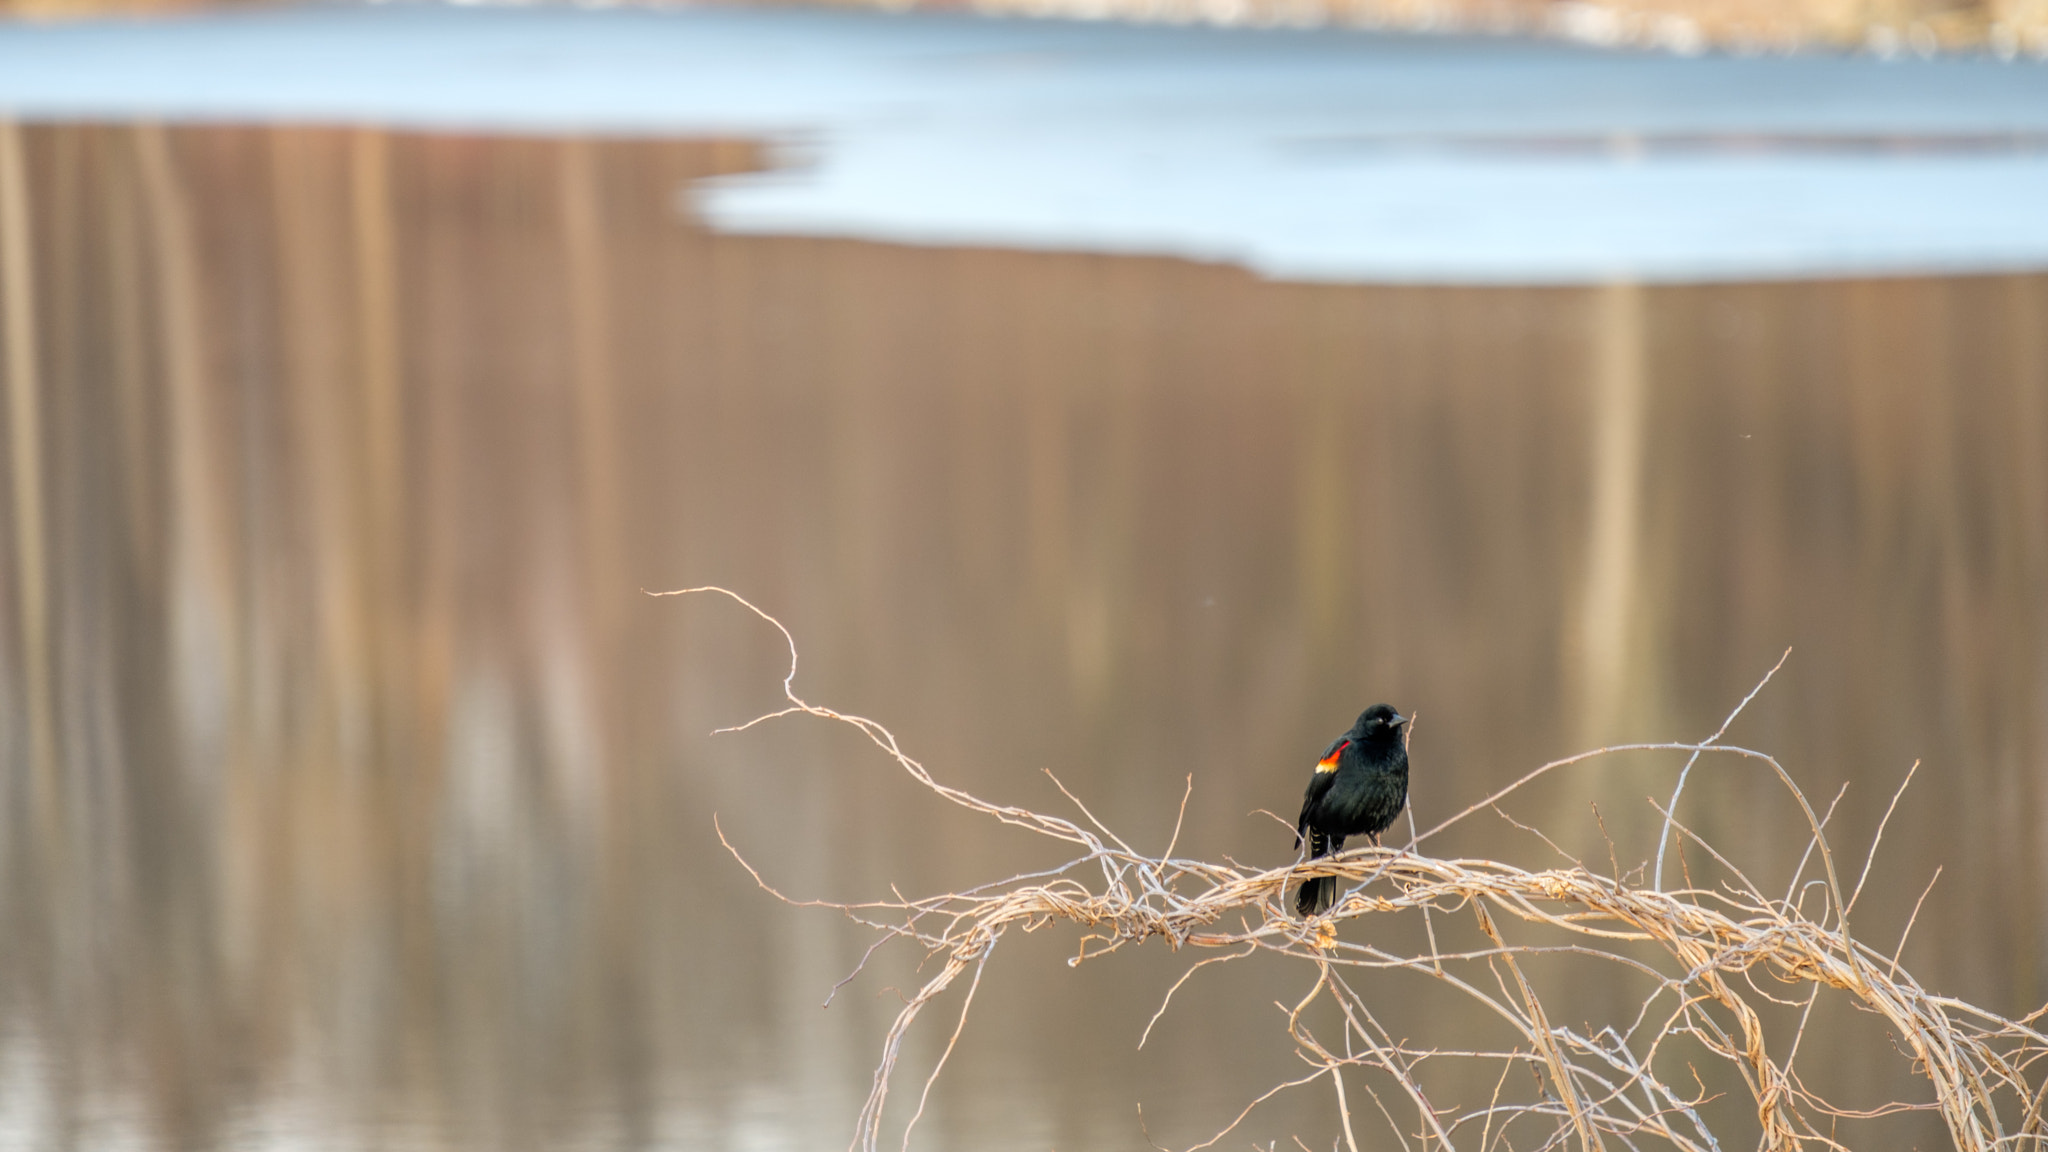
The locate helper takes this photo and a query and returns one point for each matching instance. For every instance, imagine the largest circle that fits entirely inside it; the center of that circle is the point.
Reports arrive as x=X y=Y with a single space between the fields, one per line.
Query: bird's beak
x=1398 y=720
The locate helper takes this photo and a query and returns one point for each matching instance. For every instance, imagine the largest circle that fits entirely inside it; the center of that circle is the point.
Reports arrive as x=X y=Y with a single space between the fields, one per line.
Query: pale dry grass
x=1700 y=950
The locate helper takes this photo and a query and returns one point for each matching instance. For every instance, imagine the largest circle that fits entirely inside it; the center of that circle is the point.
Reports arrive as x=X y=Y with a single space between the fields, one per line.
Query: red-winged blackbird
x=1358 y=788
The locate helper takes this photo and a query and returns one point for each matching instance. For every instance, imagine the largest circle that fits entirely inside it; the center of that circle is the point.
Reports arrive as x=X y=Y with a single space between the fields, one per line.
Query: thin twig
x=1879 y=837
x=1657 y=877
x=1911 y=920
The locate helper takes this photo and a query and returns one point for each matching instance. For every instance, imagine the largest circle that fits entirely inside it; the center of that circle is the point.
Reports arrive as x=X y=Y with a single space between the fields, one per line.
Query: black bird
x=1358 y=788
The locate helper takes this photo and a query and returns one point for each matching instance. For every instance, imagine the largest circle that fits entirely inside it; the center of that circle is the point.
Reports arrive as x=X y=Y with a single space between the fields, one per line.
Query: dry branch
x=1701 y=950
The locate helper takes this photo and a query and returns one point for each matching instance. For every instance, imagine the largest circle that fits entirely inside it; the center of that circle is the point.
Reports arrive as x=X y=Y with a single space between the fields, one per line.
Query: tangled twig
x=1700 y=950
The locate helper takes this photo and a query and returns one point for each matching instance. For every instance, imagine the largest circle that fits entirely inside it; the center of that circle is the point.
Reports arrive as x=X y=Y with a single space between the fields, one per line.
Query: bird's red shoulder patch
x=1329 y=763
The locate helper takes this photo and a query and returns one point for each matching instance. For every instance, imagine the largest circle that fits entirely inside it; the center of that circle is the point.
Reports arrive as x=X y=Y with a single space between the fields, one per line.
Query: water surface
x=355 y=795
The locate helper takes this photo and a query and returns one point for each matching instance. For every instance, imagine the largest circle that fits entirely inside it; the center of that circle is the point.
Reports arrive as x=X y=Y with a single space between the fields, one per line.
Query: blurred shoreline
x=2005 y=29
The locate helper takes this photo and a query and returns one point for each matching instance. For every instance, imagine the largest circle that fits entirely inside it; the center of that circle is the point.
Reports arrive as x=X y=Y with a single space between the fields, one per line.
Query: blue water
x=1318 y=155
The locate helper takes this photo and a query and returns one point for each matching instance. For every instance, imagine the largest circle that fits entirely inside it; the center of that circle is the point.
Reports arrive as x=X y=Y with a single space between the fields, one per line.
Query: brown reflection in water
x=352 y=784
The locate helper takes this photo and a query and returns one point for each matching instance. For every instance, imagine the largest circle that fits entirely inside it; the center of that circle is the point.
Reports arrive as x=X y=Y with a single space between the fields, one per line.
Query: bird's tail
x=1317 y=893
x=1315 y=896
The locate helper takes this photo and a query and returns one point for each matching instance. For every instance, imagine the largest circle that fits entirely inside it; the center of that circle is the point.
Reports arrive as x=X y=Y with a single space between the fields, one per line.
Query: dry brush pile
x=1727 y=964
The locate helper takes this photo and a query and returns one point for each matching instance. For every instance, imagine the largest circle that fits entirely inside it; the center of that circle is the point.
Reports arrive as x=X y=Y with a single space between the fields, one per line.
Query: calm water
x=356 y=797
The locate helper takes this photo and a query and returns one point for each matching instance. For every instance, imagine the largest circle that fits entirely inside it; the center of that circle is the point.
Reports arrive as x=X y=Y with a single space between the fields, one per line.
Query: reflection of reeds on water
x=25 y=425
x=1715 y=954
x=352 y=450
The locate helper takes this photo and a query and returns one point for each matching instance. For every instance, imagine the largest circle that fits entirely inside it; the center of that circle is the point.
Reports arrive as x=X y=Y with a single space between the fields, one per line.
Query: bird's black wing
x=1336 y=744
x=1318 y=784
